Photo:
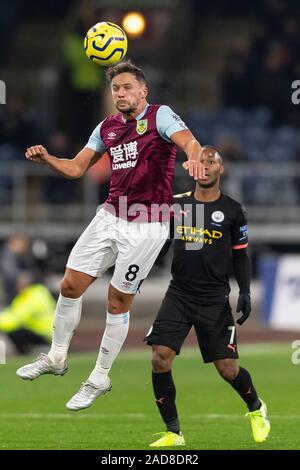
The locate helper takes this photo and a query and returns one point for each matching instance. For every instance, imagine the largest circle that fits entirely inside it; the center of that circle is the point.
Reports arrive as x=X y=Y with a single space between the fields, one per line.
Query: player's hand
x=195 y=169
x=244 y=305
x=37 y=154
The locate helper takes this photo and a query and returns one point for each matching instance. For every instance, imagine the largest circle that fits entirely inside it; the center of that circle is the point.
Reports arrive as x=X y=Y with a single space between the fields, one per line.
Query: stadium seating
x=251 y=129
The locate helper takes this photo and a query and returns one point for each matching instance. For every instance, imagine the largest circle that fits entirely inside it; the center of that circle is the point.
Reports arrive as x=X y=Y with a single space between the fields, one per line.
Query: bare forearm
x=71 y=169
x=193 y=150
x=63 y=166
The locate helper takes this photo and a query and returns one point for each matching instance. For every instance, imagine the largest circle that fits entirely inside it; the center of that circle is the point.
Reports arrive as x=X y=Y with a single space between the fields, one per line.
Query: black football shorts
x=214 y=326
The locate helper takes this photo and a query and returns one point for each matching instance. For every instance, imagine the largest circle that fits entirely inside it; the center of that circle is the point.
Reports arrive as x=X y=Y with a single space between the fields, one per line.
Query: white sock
x=115 y=333
x=66 y=319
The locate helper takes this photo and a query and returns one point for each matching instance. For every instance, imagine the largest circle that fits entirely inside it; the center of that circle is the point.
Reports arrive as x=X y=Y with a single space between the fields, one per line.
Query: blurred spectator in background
x=81 y=81
x=55 y=189
x=273 y=11
x=230 y=146
x=28 y=320
x=291 y=38
x=10 y=14
x=261 y=73
x=236 y=83
x=18 y=127
x=15 y=257
x=274 y=83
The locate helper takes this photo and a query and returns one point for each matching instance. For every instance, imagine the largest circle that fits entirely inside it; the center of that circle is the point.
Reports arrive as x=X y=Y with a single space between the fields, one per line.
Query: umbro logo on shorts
x=127 y=284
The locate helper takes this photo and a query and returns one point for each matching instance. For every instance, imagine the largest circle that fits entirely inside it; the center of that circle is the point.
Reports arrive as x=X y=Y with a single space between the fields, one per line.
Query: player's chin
x=206 y=183
x=124 y=108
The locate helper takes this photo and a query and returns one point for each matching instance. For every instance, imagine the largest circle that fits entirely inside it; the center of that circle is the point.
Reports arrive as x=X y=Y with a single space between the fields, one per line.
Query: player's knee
x=162 y=359
x=117 y=303
x=228 y=370
x=69 y=289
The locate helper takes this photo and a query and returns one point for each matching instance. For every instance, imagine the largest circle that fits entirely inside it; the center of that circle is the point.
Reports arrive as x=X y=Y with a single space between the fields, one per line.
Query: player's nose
x=121 y=93
x=205 y=166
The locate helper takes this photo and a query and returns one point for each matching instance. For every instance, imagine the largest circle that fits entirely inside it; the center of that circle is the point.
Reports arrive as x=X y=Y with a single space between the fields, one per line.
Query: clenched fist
x=244 y=305
x=37 y=154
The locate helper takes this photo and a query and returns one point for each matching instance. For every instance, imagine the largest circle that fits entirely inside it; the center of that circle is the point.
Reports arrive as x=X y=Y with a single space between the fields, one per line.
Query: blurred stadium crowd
x=227 y=68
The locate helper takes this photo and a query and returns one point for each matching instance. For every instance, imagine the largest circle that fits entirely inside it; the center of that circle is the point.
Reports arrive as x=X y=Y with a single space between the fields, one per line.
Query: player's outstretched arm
x=191 y=147
x=72 y=169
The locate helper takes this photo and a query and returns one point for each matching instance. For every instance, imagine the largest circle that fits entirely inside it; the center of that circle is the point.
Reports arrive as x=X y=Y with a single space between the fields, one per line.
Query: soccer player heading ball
x=129 y=231
x=209 y=226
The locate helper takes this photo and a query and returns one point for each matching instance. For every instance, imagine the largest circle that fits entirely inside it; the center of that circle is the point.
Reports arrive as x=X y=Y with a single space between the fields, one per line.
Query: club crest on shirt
x=142 y=126
x=217 y=216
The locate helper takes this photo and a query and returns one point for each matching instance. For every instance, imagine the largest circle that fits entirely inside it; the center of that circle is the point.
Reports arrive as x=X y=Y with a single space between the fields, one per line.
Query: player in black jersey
x=209 y=228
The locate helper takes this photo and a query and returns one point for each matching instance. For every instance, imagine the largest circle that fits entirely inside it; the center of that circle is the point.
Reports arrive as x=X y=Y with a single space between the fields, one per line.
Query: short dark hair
x=215 y=150
x=125 y=67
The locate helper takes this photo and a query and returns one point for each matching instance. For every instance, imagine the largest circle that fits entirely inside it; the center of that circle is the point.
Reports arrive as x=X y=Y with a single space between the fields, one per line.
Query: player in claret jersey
x=128 y=231
x=209 y=228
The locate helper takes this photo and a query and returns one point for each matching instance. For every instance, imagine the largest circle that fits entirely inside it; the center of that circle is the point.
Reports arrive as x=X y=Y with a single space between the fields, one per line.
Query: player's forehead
x=209 y=153
x=124 y=78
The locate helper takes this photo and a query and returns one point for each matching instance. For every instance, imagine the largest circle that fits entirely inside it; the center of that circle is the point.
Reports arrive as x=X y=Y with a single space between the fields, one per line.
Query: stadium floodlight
x=134 y=24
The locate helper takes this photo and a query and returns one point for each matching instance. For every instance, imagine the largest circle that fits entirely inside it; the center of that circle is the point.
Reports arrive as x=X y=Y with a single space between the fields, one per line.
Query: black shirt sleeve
x=239 y=229
x=242 y=269
x=241 y=260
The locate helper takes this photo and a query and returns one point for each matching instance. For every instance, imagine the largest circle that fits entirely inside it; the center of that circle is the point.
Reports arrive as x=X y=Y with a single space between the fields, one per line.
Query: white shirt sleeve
x=168 y=122
x=95 y=142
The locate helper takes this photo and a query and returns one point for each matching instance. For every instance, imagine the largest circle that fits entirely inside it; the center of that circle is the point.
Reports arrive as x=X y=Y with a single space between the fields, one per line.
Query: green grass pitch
x=33 y=414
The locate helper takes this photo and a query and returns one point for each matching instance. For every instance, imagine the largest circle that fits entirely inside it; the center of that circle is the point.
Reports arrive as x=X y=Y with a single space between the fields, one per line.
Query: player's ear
x=222 y=169
x=145 y=91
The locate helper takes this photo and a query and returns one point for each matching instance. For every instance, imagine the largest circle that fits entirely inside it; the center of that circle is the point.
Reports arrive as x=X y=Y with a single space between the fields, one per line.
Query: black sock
x=244 y=386
x=165 y=394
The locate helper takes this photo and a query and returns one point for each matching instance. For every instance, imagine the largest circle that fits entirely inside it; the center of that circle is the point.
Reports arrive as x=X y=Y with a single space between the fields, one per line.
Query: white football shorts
x=131 y=246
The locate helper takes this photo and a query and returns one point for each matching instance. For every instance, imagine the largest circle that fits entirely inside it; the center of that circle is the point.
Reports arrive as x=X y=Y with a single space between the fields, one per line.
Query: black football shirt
x=205 y=233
